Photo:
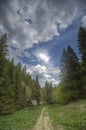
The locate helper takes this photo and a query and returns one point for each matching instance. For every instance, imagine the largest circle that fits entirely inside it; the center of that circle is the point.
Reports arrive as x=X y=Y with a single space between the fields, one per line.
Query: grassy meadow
x=68 y=117
x=21 y=120
x=64 y=117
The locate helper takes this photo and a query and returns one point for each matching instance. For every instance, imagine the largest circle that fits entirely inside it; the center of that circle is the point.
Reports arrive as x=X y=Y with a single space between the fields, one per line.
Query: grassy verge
x=20 y=120
x=69 y=117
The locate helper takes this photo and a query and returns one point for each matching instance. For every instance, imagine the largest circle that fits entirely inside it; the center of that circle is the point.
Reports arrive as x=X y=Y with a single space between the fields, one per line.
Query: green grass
x=20 y=120
x=69 y=117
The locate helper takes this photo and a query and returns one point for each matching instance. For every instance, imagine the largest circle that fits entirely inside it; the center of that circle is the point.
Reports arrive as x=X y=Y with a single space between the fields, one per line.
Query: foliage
x=20 y=120
x=36 y=90
x=70 y=76
x=17 y=88
x=69 y=117
x=82 y=51
x=73 y=72
x=60 y=96
x=16 y=85
x=48 y=93
x=82 y=43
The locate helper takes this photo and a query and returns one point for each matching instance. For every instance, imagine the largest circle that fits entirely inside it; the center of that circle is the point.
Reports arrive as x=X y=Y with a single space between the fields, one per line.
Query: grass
x=20 y=120
x=69 y=117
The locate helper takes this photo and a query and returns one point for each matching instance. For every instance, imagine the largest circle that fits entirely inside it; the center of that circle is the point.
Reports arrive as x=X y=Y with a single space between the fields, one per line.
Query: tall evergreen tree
x=3 y=53
x=72 y=77
x=36 y=90
x=48 y=89
x=16 y=84
x=82 y=43
x=64 y=66
x=82 y=50
x=18 y=91
x=4 y=80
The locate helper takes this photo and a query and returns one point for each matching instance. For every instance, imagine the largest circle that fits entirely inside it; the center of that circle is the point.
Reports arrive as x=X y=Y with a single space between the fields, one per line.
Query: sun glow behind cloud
x=44 y=57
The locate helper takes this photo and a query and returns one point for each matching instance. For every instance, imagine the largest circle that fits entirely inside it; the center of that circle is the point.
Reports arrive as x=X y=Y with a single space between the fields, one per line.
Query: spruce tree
x=82 y=44
x=18 y=89
x=3 y=53
x=71 y=74
x=82 y=50
x=63 y=66
x=4 y=79
x=36 y=90
x=48 y=89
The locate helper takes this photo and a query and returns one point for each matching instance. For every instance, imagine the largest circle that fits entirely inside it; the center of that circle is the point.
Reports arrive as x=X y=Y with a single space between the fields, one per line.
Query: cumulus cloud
x=84 y=21
x=29 y=22
x=44 y=57
x=38 y=68
x=45 y=73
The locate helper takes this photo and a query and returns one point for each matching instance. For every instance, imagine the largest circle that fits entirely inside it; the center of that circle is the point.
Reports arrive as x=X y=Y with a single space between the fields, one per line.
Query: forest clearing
x=49 y=117
x=42 y=64
x=25 y=105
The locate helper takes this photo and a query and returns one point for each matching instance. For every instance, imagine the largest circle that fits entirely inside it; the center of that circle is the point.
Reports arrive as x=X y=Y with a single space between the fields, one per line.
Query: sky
x=38 y=30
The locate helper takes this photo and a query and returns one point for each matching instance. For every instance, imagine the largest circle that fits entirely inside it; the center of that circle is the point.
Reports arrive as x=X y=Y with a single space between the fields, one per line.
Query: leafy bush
x=61 y=96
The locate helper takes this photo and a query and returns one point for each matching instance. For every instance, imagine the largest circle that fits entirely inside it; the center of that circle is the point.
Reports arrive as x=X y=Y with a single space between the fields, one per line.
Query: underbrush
x=20 y=120
x=68 y=117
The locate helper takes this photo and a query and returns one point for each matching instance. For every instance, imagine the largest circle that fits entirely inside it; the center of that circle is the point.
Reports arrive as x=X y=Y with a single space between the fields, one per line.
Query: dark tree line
x=17 y=88
x=73 y=71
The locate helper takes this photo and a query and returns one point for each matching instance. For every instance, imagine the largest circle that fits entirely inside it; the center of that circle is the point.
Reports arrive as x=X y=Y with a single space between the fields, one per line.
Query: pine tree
x=36 y=90
x=71 y=77
x=15 y=84
x=82 y=43
x=18 y=89
x=3 y=53
x=82 y=50
x=48 y=89
x=63 y=66
x=5 y=99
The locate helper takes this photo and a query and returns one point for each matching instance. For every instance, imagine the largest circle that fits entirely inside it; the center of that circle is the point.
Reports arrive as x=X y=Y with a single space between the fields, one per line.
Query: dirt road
x=43 y=122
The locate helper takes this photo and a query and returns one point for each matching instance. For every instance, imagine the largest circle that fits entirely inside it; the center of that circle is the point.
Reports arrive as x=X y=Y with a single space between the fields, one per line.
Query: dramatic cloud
x=29 y=22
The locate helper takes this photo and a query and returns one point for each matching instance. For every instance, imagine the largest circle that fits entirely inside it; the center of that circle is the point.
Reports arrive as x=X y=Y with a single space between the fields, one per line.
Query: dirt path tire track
x=44 y=122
